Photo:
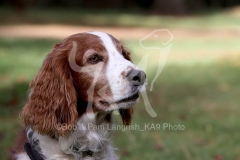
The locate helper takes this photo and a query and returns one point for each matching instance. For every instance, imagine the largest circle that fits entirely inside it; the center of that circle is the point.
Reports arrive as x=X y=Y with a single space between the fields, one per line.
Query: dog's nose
x=136 y=77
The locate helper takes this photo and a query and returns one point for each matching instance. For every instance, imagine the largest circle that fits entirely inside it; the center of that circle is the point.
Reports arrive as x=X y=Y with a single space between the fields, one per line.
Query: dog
x=81 y=82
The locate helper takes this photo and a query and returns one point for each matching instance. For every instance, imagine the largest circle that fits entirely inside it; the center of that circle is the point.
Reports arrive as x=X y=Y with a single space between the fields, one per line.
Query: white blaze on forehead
x=107 y=41
x=117 y=64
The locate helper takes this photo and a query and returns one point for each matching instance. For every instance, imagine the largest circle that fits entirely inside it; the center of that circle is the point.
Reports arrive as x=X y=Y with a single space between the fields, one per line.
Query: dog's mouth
x=131 y=98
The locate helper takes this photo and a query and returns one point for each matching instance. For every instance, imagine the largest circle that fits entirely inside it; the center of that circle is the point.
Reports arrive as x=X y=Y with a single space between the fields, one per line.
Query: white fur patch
x=22 y=156
x=117 y=64
x=82 y=139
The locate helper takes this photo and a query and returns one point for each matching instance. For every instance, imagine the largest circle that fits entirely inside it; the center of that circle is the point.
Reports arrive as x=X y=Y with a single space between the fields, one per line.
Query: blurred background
x=199 y=86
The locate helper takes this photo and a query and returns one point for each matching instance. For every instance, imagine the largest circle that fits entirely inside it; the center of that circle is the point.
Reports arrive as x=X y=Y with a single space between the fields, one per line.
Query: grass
x=118 y=18
x=204 y=97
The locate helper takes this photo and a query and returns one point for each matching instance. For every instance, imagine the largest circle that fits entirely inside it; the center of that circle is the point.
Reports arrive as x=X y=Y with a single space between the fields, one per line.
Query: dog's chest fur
x=92 y=135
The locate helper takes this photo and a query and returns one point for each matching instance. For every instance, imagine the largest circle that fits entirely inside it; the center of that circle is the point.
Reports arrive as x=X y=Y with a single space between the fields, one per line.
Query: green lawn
x=201 y=95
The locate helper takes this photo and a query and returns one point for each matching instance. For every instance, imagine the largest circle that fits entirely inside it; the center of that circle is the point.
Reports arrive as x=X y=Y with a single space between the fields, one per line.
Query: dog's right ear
x=126 y=115
x=52 y=102
x=126 y=54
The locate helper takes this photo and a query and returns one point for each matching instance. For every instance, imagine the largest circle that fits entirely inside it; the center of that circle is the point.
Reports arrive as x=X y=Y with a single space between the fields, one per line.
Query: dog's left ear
x=51 y=108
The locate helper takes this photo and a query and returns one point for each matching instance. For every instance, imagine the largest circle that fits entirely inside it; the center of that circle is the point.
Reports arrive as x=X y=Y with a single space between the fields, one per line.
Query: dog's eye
x=94 y=59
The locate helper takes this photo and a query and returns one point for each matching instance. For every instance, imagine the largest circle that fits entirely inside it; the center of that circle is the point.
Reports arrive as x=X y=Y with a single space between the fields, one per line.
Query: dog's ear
x=51 y=106
x=126 y=115
x=126 y=54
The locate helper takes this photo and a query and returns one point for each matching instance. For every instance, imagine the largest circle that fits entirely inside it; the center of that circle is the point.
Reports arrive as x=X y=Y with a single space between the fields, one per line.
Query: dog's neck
x=91 y=137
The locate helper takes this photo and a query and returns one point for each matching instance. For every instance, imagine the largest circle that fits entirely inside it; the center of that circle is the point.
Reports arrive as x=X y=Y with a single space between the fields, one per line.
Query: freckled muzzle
x=136 y=78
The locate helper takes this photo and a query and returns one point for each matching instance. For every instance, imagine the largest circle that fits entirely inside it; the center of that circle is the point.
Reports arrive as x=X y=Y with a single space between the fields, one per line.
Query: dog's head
x=87 y=68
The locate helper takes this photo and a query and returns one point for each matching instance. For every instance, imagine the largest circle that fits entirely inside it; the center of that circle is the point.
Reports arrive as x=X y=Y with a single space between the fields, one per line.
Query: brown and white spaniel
x=82 y=81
